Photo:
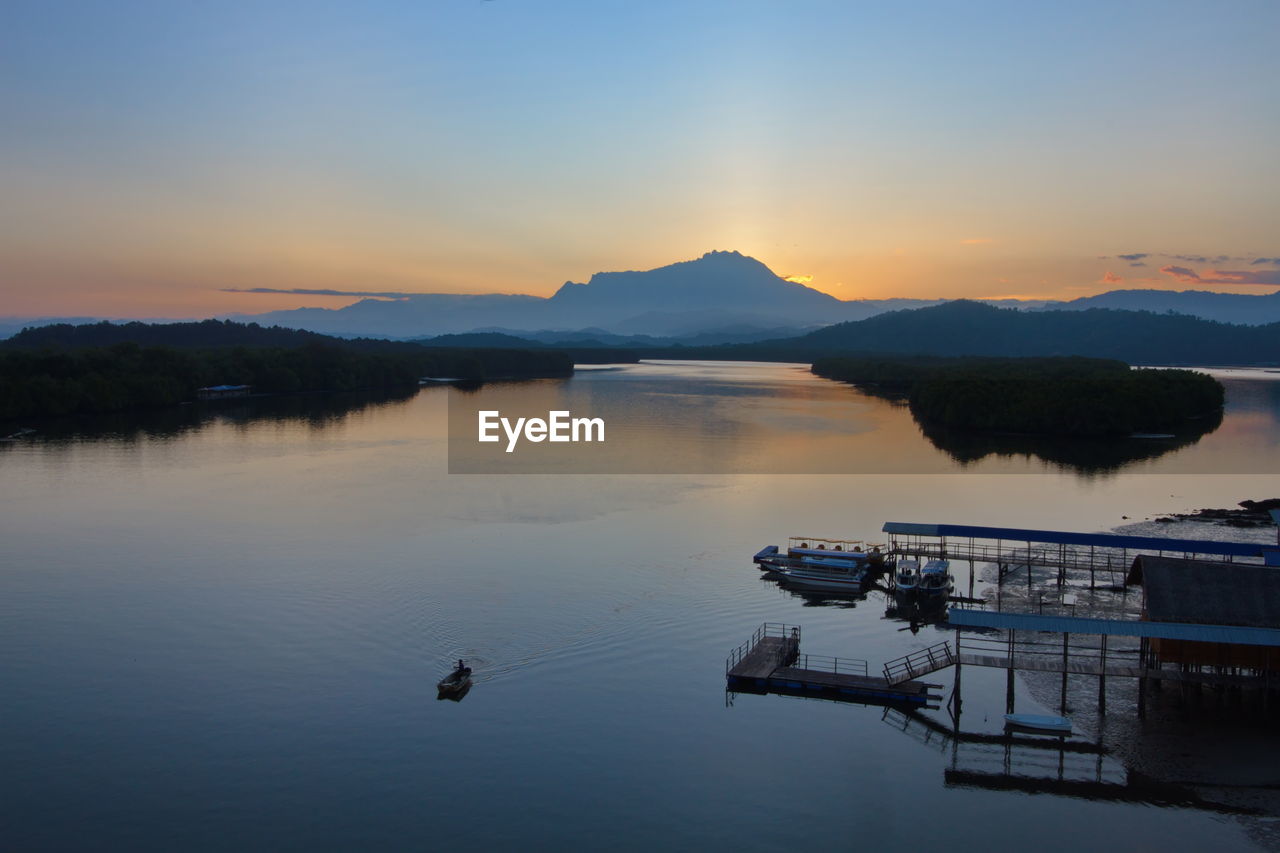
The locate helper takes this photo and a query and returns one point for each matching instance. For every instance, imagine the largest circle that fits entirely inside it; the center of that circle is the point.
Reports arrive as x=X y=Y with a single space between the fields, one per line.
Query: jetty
x=1104 y=557
x=772 y=662
x=1061 y=604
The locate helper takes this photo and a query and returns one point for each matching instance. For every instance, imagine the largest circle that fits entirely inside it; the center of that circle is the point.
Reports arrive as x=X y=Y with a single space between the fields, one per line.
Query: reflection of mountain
x=1082 y=455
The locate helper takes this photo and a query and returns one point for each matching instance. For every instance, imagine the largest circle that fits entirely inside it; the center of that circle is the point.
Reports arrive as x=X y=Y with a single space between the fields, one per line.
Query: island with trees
x=104 y=367
x=1068 y=396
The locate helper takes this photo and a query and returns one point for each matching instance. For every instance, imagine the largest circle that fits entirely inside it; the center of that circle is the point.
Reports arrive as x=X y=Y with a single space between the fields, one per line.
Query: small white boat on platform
x=1039 y=723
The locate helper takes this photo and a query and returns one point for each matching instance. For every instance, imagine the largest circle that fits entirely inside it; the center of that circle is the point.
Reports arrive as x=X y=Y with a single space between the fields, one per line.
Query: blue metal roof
x=1114 y=627
x=1100 y=540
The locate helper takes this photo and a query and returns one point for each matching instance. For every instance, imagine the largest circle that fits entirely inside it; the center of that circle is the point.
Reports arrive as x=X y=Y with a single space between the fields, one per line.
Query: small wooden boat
x=1039 y=723
x=455 y=682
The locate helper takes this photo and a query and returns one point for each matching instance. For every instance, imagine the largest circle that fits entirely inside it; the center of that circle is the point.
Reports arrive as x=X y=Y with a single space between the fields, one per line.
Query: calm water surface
x=221 y=629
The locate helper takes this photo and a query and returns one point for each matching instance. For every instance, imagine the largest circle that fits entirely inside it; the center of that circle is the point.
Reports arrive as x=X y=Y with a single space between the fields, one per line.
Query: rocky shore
x=1249 y=514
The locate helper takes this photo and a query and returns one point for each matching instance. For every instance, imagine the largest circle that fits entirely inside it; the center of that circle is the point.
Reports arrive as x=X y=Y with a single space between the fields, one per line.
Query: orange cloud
x=798 y=279
x=1110 y=278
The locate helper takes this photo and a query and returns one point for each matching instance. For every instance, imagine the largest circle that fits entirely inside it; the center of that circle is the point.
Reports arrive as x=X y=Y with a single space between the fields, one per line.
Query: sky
x=157 y=159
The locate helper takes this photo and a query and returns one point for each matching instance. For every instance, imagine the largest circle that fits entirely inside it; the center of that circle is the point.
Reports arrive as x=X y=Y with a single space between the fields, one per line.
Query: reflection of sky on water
x=260 y=605
x=766 y=418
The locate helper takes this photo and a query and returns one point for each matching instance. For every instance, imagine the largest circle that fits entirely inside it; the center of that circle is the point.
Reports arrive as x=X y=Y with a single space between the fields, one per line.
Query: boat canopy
x=820 y=543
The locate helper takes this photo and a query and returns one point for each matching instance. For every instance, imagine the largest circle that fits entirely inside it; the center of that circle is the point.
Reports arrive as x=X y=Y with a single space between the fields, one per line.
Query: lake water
x=221 y=627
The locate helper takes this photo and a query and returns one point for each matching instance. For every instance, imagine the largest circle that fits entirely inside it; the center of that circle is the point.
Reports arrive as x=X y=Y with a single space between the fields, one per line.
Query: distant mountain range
x=721 y=297
x=1244 y=308
x=959 y=328
x=721 y=291
x=964 y=328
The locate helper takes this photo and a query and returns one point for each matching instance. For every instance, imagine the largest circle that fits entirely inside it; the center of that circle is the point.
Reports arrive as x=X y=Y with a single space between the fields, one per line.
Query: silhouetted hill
x=971 y=328
x=1243 y=308
x=61 y=370
x=206 y=333
x=480 y=339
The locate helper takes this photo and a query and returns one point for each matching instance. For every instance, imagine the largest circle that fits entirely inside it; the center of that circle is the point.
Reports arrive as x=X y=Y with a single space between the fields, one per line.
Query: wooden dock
x=771 y=662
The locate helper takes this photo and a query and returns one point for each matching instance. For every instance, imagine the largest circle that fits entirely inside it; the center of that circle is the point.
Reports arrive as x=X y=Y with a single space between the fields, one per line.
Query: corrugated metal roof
x=1062 y=537
x=1115 y=627
x=1209 y=592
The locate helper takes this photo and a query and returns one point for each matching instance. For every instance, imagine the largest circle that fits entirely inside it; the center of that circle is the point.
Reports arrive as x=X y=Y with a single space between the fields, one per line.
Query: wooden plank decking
x=766 y=656
x=860 y=686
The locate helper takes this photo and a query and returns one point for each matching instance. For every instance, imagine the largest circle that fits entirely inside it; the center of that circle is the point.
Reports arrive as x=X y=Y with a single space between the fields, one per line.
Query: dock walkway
x=771 y=662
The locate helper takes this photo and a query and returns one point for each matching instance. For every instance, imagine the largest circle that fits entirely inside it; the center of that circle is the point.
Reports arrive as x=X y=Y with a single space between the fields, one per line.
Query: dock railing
x=826 y=663
x=1111 y=563
x=776 y=630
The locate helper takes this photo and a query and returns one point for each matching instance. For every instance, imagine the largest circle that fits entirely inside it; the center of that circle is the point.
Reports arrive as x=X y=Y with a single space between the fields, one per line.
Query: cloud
x=1189 y=276
x=1110 y=278
x=1256 y=261
x=1181 y=274
x=1135 y=256
x=798 y=279
x=305 y=291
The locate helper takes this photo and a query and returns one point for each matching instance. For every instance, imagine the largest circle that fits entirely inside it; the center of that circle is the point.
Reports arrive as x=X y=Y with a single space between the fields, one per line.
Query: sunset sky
x=156 y=155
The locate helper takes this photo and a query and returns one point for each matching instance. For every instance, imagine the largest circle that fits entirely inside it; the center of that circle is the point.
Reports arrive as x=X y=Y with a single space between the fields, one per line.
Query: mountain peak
x=725 y=281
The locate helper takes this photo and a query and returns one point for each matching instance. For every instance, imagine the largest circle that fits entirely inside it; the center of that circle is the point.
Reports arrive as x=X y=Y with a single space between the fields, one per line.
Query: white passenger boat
x=853 y=550
x=850 y=578
x=823 y=553
x=906 y=578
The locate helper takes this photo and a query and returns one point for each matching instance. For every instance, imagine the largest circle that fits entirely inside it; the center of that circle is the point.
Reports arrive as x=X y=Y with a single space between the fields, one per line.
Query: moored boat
x=934 y=584
x=821 y=553
x=824 y=577
x=906 y=577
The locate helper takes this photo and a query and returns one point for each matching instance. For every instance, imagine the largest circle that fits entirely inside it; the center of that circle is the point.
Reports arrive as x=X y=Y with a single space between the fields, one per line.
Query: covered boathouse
x=1229 y=615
